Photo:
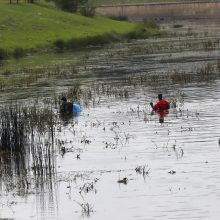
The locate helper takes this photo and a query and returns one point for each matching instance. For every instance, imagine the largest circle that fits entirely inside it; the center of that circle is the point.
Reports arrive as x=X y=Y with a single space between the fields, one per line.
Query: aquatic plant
x=218 y=65
x=87 y=209
x=142 y=170
x=21 y=131
x=13 y=130
x=88 y=187
x=123 y=180
x=177 y=25
x=26 y=146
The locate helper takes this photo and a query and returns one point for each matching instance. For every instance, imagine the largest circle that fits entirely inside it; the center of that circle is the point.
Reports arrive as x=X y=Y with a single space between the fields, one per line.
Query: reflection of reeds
x=87 y=209
x=218 y=65
x=26 y=141
x=13 y=130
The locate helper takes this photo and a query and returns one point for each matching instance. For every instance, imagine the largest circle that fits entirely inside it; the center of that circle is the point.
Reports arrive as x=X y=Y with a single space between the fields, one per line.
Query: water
x=178 y=160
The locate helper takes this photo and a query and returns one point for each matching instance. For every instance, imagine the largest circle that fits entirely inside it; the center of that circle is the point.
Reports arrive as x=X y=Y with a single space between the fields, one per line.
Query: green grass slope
x=30 y=26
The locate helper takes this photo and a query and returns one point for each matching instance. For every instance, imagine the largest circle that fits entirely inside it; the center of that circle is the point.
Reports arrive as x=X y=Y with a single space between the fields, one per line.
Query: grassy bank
x=30 y=27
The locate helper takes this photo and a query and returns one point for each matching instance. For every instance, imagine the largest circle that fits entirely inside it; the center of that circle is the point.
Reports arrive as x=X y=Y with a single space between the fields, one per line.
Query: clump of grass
x=181 y=77
x=144 y=170
x=218 y=65
x=206 y=72
x=139 y=32
x=13 y=130
x=18 y=122
x=22 y=135
x=3 y=54
x=93 y=40
x=177 y=25
x=60 y=45
x=123 y=180
x=88 y=10
x=151 y=24
x=7 y=73
x=87 y=209
x=119 y=18
x=74 y=93
x=88 y=187
x=18 y=52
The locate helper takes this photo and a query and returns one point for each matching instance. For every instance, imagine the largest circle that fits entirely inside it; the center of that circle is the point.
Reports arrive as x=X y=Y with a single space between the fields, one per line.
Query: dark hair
x=160 y=96
x=64 y=99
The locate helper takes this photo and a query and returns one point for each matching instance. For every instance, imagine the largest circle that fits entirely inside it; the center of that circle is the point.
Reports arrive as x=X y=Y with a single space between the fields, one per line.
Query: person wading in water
x=66 y=107
x=161 y=107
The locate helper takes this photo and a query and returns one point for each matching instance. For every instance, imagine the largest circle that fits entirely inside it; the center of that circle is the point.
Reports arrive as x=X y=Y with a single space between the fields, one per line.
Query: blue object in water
x=76 y=108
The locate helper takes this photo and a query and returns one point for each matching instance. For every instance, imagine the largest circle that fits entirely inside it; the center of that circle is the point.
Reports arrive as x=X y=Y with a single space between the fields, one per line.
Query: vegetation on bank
x=32 y=27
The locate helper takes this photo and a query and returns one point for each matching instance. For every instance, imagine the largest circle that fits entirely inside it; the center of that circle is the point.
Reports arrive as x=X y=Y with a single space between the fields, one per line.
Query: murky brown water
x=172 y=169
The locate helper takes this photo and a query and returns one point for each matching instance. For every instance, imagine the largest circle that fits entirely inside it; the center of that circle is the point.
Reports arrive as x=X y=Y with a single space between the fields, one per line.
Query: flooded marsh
x=116 y=160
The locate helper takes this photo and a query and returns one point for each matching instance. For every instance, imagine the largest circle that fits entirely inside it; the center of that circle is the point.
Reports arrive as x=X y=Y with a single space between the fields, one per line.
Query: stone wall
x=163 y=11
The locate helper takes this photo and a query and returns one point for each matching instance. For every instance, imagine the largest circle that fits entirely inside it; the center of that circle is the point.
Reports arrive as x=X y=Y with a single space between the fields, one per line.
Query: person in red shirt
x=161 y=108
x=161 y=105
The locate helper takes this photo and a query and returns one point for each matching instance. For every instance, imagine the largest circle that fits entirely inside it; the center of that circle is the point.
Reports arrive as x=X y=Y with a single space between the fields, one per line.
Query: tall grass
x=26 y=146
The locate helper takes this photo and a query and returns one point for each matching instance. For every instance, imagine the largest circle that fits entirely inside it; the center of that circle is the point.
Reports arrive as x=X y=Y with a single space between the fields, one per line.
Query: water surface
x=172 y=169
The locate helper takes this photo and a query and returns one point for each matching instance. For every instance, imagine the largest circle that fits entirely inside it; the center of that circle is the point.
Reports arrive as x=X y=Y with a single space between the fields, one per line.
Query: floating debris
x=124 y=180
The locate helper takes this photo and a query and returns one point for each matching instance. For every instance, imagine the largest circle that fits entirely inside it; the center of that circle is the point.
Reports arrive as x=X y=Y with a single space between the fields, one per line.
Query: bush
x=139 y=32
x=60 y=45
x=18 y=53
x=87 y=10
x=151 y=24
x=119 y=18
x=3 y=54
x=67 y=5
x=92 y=40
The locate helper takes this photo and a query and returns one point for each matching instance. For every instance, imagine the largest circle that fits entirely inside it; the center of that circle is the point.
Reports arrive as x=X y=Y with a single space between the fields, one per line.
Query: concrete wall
x=163 y=11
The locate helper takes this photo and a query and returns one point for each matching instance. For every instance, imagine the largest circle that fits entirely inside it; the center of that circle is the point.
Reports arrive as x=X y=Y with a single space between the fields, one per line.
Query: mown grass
x=31 y=27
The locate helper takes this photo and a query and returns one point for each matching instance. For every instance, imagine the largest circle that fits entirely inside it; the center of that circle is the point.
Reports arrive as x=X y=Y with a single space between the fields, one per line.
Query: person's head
x=160 y=96
x=64 y=99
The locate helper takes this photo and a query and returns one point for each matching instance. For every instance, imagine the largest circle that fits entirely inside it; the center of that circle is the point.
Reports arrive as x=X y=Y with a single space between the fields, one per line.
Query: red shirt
x=161 y=105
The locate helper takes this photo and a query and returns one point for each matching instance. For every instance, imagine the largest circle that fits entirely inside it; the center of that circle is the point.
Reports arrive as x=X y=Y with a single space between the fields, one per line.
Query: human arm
x=155 y=107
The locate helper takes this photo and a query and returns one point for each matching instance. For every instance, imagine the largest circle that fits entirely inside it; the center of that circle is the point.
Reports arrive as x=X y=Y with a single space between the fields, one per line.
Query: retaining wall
x=163 y=11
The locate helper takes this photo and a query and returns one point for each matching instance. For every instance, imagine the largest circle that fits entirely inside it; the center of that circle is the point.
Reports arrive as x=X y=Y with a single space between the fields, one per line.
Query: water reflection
x=161 y=114
x=67 y=118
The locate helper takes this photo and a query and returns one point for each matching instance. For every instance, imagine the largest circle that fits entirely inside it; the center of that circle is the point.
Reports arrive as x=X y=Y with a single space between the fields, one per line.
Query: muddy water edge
x=116 y=160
